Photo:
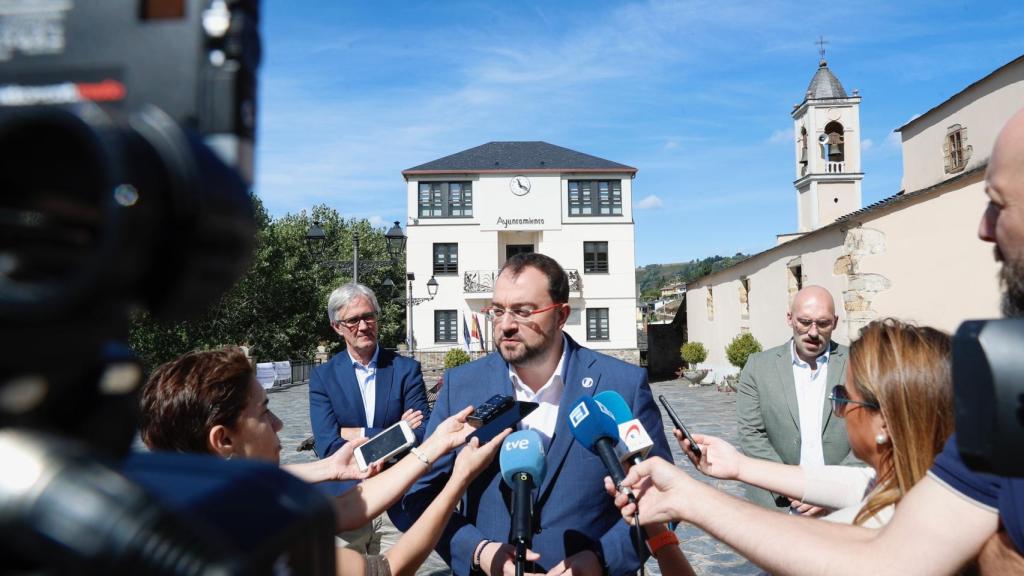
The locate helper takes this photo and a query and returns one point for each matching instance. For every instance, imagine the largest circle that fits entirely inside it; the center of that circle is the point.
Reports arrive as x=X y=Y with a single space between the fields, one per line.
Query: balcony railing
x=835 y=167
x=482 y=281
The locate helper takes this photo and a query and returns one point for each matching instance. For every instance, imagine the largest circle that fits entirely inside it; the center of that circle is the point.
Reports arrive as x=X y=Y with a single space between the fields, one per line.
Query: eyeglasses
x=495 y=313
x=353 y=322
x=841 y=400
x=804 y=324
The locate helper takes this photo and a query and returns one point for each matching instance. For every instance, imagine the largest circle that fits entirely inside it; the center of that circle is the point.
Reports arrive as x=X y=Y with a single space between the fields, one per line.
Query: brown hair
x=905 y=369
x=187 y=397
x=558 y=280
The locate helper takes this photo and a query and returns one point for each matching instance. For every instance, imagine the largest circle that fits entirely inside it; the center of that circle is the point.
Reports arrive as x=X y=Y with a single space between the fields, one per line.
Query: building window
x=446 y=326
x=597 y=324
x=710 y=300
x=956 y=152
x=745 y=298
x=446 y=200
x=595 y=257
x=595 y=198
x=446 y=259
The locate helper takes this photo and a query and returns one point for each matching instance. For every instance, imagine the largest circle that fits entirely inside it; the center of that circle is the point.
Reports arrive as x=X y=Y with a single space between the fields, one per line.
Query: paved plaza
x=702 y=410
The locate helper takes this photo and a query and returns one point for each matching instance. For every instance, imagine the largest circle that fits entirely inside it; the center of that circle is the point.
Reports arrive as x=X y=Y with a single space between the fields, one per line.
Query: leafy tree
x=693 y=353
x=455 y=357
x=741 y=348
x=279 y=307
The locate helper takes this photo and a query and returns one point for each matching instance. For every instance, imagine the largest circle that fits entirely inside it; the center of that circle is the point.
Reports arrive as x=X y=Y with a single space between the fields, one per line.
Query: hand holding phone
x=679 y=425
x=389 y=443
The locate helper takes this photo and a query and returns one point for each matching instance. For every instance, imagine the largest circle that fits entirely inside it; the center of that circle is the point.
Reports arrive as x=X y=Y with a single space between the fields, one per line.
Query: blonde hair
x=904 y=369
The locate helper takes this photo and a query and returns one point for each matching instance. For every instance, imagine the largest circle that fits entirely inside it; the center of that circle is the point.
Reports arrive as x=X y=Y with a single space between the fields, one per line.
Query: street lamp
x=410 y=301
x=316 y=241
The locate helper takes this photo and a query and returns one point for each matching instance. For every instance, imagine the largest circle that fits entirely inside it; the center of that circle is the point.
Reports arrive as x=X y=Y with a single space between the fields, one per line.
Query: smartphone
x=506 y=419
x=393 y=441
x=679 y=425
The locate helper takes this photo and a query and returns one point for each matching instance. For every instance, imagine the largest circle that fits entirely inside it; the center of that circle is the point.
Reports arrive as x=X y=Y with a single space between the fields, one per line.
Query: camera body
x=988 y=383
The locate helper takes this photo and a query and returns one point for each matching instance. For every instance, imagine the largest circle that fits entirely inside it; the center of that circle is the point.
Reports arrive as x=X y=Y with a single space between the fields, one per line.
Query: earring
x=881 y=438
x=230 y=456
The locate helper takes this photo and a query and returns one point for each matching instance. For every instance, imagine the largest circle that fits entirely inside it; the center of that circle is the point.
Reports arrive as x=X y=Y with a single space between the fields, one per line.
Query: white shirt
x=544 y=419
x=366 y=376
x=810 y=401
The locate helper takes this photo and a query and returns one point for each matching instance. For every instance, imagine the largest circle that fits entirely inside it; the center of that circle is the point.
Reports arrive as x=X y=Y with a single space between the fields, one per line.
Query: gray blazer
x=769 y=419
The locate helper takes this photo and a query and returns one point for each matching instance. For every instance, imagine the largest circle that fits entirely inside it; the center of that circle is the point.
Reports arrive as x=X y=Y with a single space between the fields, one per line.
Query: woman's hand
x=657 y=485
x=448 y=435
x=342 y=464
x=719 y=459
x=473 y=457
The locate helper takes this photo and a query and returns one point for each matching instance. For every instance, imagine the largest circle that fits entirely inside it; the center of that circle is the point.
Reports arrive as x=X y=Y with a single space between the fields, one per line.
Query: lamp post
x=410 y=301
x=316 y=241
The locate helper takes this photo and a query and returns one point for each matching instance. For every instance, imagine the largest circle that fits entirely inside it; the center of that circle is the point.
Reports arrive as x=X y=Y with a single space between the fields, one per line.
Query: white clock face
x=520 y=185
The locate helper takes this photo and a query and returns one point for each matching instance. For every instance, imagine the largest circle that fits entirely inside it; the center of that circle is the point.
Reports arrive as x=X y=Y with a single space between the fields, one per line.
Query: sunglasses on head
x=841 y=401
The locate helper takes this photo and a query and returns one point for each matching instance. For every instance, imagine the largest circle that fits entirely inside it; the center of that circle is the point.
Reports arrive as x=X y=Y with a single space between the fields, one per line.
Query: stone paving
x=702 y=409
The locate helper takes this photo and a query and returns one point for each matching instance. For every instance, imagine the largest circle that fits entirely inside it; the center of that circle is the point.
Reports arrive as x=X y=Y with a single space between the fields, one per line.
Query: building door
x=513 y=249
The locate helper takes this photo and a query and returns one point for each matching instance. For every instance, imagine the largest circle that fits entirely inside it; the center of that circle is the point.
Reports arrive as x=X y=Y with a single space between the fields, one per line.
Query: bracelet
x=420 y=456
x=663 y=539
x=479 y=552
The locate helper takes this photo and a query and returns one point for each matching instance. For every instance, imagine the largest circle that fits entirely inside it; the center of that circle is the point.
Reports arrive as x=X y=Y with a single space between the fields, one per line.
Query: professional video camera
x=988 y=381
x=126 y=141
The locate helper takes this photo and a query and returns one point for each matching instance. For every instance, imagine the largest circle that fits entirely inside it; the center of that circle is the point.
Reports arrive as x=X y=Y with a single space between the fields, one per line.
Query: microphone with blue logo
x=594 y=427
x=636 y=443
x=522 y=468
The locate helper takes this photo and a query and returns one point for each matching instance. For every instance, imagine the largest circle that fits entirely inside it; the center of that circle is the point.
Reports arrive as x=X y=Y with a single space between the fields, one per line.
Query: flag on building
x=465 y=333
x=475 y=331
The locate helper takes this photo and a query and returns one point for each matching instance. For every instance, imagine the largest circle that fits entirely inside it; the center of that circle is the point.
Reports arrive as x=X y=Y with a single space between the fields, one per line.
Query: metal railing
x=480 y=281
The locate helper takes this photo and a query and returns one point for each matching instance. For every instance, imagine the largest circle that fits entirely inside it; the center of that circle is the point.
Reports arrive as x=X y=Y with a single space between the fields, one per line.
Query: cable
x=639 y=533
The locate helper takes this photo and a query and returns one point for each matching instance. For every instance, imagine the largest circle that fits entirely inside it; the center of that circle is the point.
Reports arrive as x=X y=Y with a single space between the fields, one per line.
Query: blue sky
x=696 y=95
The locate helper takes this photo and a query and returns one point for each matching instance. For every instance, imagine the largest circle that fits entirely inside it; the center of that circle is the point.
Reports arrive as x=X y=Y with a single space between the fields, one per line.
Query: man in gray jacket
x=782 y=403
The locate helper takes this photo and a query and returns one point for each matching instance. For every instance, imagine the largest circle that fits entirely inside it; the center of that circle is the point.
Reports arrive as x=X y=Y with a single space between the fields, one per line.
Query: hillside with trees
x=651 y=278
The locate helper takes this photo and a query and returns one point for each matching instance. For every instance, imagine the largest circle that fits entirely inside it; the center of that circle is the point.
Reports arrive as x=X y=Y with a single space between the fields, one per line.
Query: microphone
x=522 y=467
x=594 y=427
x=636 y=442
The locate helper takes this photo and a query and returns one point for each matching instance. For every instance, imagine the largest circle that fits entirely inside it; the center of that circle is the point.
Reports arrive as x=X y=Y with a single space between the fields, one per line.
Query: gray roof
x=519 y=156
x=825 y=84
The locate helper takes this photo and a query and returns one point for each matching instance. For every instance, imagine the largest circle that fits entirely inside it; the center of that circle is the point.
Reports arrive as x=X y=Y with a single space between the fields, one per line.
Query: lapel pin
x=588 y=382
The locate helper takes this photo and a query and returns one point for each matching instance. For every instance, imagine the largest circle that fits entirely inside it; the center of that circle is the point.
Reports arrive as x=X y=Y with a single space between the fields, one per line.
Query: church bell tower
x=828 y=169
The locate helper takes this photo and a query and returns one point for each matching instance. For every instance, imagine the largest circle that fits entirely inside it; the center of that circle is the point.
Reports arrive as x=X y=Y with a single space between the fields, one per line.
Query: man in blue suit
x=577 y=527
x=362 y=391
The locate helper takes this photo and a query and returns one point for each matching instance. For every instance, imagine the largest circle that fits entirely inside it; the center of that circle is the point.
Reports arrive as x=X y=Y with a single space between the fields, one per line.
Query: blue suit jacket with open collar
x=572 y=511
x=335 y=400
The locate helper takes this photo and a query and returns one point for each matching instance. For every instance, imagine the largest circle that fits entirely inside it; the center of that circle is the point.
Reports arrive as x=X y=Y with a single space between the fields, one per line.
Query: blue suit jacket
x=336 y=402
x=572 y=511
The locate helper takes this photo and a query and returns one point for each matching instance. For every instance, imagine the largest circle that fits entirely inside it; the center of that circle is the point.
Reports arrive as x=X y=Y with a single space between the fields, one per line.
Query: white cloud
x=781 y=136
x=649 y=202
x=866 y=144
x=377 y=221
x=893 y=140
x=671 y=145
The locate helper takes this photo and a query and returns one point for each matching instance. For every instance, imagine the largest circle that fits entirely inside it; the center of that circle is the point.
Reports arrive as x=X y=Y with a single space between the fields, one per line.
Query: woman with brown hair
x=210 y=403
x=898 y=406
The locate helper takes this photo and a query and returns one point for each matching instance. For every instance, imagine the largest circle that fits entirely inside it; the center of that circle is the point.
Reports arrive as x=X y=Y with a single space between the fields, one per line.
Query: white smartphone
x=394 y=440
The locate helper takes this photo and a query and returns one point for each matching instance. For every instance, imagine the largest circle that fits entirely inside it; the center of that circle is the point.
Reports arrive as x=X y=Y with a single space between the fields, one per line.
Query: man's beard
x=1012 y=277
x=524 y=356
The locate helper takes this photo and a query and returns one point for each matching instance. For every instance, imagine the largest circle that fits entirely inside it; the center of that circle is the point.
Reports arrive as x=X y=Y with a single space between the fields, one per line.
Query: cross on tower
x=821 y=46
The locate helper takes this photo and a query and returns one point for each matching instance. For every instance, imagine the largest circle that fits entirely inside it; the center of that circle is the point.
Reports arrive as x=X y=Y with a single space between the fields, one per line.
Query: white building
x=472 y=210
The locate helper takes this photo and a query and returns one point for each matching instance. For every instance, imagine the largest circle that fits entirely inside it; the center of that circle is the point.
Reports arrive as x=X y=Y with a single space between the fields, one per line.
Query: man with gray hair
x=362 y=391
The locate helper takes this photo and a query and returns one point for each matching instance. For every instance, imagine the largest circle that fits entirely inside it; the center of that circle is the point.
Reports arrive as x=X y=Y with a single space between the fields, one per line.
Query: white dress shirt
x=544 y=419
x=810 y=401
x=366 y=376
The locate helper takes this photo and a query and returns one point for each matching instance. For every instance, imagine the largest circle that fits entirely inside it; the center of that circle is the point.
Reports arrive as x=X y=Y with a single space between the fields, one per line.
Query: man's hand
x=719 y=459
x=497 y=559
x=349 y=434
x=806 y=509
x=659 y=487
x=413 y=417
x=584 y=563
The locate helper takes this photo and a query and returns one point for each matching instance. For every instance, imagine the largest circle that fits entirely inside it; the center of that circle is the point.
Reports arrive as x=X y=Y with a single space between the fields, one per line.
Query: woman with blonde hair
x=898 y=405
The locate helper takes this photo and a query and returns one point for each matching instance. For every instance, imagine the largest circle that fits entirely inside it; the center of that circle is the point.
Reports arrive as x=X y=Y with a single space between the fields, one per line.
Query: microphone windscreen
x=616 y=404
x=523 y=451
x=589 y=422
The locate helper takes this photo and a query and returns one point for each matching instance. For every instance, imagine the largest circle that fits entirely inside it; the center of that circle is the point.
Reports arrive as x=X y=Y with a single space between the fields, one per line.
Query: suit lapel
x=836 y=363
x=383 y=383
x=577 y=367
x=784 y=366
x=351 y=397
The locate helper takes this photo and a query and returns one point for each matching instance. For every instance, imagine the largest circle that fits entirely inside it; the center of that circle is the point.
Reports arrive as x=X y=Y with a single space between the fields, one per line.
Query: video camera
x=988 y=383
x=126 y=145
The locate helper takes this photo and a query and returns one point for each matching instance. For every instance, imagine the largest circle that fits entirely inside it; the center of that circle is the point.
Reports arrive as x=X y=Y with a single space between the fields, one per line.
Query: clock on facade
x=520 y=185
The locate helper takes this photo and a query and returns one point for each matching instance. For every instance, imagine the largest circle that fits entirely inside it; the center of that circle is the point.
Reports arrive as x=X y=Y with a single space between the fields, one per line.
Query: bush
x=693 y=353
x=455 y=357
x=741 y=347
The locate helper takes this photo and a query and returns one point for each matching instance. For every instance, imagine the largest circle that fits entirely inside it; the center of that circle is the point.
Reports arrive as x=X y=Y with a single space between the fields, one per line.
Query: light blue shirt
x=366 y=376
